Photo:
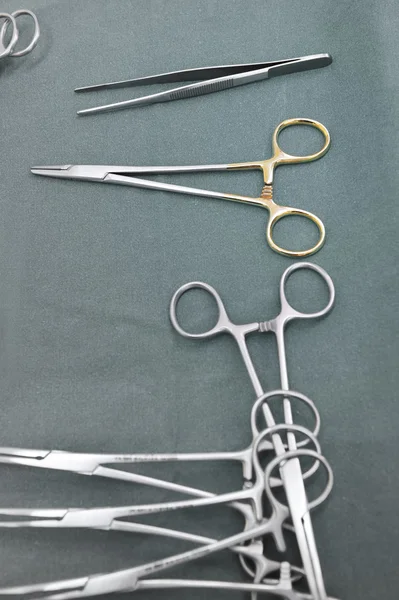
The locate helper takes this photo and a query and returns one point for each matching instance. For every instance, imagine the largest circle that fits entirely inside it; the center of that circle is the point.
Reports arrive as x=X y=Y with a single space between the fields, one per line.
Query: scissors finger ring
x=8 y=19
x=3 y=31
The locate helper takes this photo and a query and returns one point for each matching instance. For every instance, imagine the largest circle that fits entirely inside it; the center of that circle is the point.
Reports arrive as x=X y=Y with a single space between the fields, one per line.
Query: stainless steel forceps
x=132 y=580
x=109 y=518
x=128 y=580
x=212 y=79
x=286 y=456
x=125 y=175
x=290 y=470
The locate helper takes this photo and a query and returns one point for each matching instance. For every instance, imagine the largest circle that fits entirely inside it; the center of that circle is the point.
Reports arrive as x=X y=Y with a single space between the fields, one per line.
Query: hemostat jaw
x=89 y=172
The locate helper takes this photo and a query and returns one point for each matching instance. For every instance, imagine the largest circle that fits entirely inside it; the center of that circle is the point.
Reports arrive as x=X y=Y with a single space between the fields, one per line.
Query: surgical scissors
x=9 y=50
x=290 y=470
x=127 y=176
x=212 y=79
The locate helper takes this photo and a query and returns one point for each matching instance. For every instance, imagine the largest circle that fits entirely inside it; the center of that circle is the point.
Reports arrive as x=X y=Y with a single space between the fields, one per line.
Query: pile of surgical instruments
x=271 y=461
x=10 y=29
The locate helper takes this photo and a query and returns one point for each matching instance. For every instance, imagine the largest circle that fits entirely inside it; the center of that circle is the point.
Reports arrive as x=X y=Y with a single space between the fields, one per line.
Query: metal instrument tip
x=51 y=170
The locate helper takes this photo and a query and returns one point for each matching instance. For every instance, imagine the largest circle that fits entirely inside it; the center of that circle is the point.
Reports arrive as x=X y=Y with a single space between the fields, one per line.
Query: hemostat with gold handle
x=126 y=175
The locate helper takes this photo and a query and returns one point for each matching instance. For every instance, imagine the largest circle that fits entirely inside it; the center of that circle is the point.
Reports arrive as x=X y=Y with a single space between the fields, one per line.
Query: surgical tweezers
x=212 y=79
